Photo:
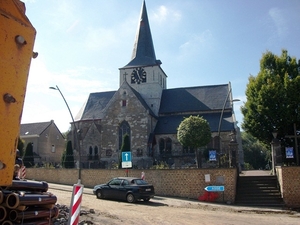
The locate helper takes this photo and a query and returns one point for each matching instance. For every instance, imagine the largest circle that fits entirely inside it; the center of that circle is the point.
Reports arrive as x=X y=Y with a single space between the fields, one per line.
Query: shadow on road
x=152 y=202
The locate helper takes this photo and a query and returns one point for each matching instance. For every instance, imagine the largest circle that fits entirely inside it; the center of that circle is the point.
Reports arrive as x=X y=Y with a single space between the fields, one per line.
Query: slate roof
x=207 y=101
x=143 y=53
x=176 y=104
x=96 y=103
x=169 y=124
x=94 y=106
x=34 y=128
x=192 y=99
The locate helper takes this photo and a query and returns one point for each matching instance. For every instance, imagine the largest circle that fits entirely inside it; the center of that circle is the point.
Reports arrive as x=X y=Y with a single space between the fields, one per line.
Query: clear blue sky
x=81 y=45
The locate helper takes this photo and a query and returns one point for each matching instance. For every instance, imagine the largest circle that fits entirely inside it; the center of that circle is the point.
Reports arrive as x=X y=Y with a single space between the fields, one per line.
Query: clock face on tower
x=138 y=76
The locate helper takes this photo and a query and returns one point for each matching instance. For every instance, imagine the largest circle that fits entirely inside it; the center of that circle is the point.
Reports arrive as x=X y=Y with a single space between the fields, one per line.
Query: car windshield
x=139 y=182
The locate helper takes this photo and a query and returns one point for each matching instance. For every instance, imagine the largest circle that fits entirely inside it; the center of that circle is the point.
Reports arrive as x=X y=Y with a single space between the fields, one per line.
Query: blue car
x=130 y=189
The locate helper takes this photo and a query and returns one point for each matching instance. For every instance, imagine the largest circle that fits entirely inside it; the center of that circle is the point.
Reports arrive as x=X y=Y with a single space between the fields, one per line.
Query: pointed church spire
x=143 y=53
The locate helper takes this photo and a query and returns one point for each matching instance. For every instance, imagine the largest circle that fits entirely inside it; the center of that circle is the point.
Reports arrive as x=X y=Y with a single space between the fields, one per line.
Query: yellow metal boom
x=17 y=37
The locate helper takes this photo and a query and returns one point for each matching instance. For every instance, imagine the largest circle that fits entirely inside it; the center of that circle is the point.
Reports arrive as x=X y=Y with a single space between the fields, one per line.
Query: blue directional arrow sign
x=215 y=188
x=126 y=156
x=126 y=160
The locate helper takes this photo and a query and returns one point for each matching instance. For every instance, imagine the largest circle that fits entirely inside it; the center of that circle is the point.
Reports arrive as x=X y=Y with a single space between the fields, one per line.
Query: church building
x=149 y=113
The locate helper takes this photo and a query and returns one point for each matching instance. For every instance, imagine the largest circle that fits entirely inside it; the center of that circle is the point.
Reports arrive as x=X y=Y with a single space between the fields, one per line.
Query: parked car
x=128 y=189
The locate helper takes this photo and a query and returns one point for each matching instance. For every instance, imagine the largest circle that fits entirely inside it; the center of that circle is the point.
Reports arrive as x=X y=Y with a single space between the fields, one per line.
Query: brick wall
x=289 y=180
x=189 y=183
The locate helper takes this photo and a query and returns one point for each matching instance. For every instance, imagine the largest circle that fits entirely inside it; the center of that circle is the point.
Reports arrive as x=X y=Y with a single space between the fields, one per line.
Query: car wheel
x=99 y=194
x=146 y=199
x=130 y=198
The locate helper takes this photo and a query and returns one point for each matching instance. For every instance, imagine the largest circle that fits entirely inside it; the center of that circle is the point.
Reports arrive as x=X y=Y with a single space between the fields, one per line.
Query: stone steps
x=258 y=191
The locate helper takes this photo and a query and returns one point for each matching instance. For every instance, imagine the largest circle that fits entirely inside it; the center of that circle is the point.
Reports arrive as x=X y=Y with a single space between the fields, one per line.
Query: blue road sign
x=215 y=188
x=126 y=156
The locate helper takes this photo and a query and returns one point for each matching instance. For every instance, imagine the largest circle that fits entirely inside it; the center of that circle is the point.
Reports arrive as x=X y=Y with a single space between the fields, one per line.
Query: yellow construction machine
x=17 y=37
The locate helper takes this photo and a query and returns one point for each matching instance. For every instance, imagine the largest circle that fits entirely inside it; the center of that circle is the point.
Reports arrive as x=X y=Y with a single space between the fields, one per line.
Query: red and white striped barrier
x=23 y=172
x=143 y=176
x=75 y=204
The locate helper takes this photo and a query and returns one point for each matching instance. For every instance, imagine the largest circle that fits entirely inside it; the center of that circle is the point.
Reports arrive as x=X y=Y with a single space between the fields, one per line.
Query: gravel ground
x=162 y=210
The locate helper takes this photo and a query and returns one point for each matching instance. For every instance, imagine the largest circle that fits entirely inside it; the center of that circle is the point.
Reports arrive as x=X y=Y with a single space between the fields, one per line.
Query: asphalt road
x=163 y=210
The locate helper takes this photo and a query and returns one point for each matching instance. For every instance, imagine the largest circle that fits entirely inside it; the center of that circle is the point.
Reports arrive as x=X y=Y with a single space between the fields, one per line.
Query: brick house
x=150 y=113
x=48 y=142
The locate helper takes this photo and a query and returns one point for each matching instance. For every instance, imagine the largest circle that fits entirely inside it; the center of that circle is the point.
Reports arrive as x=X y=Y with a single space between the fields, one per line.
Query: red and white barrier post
x=75 y=204
x=143 y=175
x=23 y=172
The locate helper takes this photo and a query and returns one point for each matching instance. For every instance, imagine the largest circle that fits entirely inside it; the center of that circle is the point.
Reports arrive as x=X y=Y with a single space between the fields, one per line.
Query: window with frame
x=165 y=146
x=90 y=156
x=161 y=146
x=96 y=153
x=124 y=129
x=53 y=148
x=139 y=152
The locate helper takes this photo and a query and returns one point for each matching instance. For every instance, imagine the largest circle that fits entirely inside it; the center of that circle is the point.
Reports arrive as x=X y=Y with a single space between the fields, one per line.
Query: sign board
x=289 y=152
x=207 y=178
x=126 y=160
x=126 y=165
x=212 y=155
x=215 y=188
x=126 y=156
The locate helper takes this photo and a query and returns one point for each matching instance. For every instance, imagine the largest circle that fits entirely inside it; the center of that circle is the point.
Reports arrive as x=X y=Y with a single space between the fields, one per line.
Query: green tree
x=69 y=157
x=124 y=148
x=256 y=154
x=28 y=159
x=63 y=158
x=194 y=132
x=20 y=146
x=273 y=98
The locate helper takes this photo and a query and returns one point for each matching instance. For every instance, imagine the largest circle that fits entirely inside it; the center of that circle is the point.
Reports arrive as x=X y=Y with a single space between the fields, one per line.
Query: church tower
x=143 y=72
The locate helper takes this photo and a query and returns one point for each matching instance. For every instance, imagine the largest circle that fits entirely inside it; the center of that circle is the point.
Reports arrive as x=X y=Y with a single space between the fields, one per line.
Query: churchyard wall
x=187 y=183
x=289 y=181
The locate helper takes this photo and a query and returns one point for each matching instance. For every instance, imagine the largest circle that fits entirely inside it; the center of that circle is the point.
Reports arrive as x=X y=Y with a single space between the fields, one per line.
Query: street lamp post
x=273 y=144
x=221 y=118
x=77 y=138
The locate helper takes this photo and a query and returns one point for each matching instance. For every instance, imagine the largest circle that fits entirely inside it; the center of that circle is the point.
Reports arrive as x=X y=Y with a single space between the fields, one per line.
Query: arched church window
x=123 y=129
x=96 y=153
x=90 y=157
x=169 y=146
x=161 y=146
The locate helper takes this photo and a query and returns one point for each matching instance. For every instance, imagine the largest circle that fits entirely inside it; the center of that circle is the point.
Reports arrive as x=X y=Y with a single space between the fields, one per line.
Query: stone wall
x=289 y=180
x=189 y=183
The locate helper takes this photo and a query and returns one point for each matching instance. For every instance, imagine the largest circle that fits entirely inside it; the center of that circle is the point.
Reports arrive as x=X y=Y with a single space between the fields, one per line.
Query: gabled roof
x=194 y=99
x=35 y=128
x=94 y=106
x=143 y=53
x=97 y=102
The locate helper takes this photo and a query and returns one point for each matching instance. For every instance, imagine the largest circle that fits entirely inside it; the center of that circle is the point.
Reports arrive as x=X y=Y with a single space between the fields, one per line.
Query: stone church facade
x=149 y=113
